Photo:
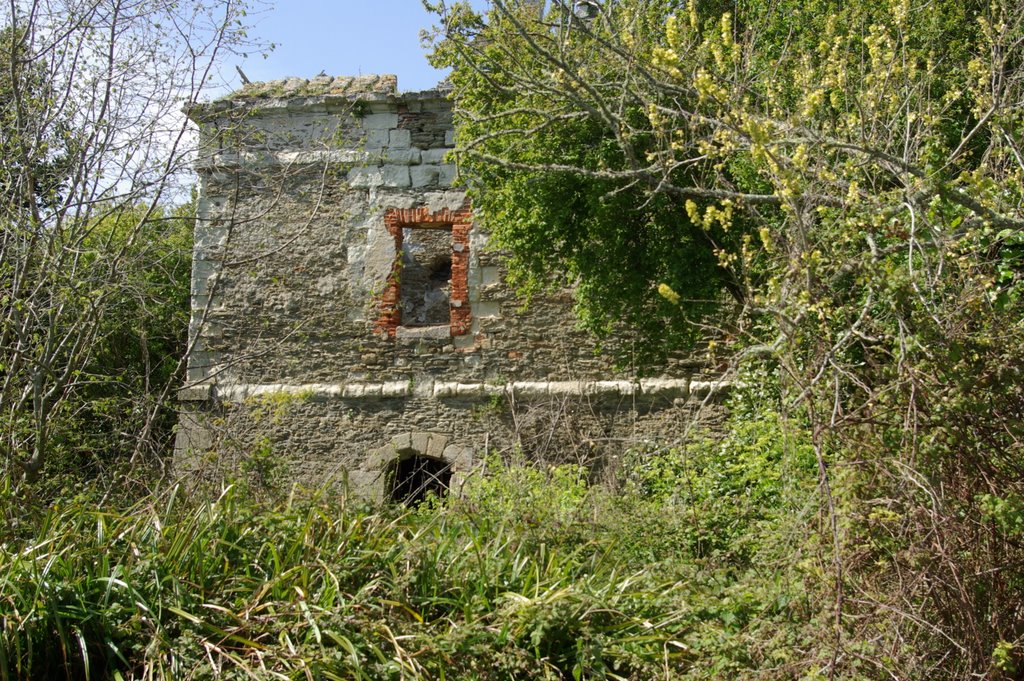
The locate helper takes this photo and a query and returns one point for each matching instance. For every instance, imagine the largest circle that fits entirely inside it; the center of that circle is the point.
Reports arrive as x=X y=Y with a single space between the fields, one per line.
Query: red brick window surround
x=459 y=222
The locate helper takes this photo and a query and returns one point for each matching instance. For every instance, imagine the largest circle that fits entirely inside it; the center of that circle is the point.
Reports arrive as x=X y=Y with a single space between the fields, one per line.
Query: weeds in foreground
x=529 y=575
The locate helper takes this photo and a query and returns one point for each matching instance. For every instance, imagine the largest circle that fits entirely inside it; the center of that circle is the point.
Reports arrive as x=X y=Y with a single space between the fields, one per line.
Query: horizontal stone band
x=674 y=387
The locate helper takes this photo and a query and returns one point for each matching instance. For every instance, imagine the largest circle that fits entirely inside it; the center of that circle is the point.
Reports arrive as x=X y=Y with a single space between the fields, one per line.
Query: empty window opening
x=428 y=286
x=426 y=277
x=413 y=478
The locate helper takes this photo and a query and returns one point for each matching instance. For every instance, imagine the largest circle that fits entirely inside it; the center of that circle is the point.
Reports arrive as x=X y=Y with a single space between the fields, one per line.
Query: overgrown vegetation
x=120 y=413
x=530 y=575
x=831 y=192
x=93 y=151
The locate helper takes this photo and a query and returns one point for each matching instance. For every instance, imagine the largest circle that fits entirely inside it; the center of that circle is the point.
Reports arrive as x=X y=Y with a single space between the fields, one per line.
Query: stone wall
x=328 y=224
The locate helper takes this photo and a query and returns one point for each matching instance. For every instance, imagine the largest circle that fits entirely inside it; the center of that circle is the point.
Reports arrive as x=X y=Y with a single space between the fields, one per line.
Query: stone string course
x=684 y=388
x=306 y=187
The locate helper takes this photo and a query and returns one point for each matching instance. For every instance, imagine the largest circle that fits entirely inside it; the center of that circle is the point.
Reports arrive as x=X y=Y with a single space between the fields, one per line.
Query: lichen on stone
x=318 y=86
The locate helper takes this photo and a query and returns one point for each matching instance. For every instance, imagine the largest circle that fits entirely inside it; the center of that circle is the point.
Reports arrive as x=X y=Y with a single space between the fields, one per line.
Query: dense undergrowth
x=723 y=559
x=683 y=572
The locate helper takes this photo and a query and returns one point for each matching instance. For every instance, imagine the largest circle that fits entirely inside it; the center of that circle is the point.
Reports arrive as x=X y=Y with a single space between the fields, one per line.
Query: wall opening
x=425 y=281
x=412 y=479
x=427 y=292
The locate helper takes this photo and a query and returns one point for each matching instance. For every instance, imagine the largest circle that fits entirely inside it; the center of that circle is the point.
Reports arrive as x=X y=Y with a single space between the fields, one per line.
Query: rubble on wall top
x=313 y=94
x=382 y=84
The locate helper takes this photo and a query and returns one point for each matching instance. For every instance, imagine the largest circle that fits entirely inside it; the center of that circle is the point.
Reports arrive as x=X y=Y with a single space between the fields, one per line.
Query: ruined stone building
x=349 y=323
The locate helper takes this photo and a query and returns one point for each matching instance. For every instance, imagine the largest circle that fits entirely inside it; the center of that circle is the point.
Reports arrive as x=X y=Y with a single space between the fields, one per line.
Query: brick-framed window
x=403 y=224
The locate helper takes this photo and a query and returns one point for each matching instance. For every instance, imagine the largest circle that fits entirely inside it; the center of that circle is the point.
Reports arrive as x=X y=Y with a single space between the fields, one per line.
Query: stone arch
x=451 y=462
x=412 y=478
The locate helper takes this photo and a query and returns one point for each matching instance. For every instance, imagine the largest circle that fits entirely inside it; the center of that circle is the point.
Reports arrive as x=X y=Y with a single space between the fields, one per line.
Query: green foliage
x=1004 y=658
x=547 y=502
x=1007 y=513
x=554 y=189
x=724 y=487
x=117 y=404
x=851 y=174
x=30 y=138
x=532 y=574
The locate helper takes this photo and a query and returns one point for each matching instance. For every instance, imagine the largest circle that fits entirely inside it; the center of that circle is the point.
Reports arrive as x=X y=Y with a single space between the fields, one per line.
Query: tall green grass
x=530 y=575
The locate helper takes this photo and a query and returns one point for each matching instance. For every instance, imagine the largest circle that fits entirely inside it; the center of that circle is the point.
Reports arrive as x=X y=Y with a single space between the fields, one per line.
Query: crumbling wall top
x=322 y=85
x=321 y=93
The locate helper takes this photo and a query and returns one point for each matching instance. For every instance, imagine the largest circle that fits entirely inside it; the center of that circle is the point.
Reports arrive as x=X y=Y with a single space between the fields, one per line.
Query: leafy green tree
x=120 y=409
x=38 y=150
x=845 y=180
x=563 y=166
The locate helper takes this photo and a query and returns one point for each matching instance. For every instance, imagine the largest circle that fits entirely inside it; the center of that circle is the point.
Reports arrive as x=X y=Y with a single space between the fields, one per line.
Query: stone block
x=201 y=365
x=529 y=388
x=401 y=443
x=293 y=85
x=352 y=390
x=204 y=276
x=712 y=389
x=436 y=446
x=449 y=138
x=406 y=157
x=669 y=387
x=193 y=437
x=423 y=388
x=424 y=176
x=197 y=393
x=487 y=310
x=460 y=456
x=326 y=392
x=368 y=176
x=445 y=389
x=376 y=139
x=434 y=156
x=452 y=199
x=565 y=388
x=210 y=236
x=399 y=139
x=395 y=389
x=465 y=342
x=439 y=332
x=419 y=442
x=490 y=275
x=469 y=389
x=447 y=174
x=395 y=176
x=615 y=387
x=377 y=458
x=380 y=121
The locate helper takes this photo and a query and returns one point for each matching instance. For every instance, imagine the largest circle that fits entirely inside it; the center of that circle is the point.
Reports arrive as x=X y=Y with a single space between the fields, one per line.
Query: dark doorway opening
x=413 y=478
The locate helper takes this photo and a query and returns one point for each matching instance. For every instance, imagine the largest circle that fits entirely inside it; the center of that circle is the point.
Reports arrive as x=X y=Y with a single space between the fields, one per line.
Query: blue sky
x=344 y=37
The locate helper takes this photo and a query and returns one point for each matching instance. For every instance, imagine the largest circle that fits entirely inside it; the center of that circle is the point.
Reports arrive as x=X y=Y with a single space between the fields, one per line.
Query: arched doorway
x=412 y=478
x=411 y=467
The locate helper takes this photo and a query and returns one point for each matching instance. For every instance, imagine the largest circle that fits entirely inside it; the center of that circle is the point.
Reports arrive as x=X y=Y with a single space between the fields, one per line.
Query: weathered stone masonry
x=347 y=313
